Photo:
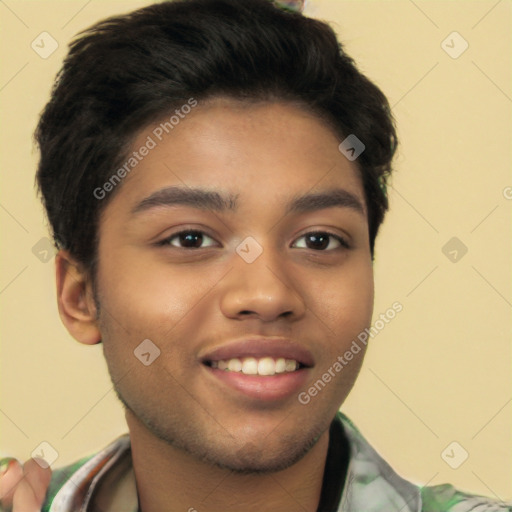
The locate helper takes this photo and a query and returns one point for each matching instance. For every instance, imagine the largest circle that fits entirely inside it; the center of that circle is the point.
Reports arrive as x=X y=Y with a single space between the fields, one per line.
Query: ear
x=75 y=299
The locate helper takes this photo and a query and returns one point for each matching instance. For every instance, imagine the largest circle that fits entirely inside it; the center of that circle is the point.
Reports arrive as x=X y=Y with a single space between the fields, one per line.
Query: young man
x=214 y=172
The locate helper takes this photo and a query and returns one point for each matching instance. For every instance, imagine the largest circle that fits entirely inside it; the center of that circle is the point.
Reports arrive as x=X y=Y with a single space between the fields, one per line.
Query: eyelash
x=167 y=241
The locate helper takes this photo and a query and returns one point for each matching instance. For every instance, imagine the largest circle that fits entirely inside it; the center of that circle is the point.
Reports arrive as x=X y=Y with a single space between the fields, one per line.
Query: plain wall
x=440 y=370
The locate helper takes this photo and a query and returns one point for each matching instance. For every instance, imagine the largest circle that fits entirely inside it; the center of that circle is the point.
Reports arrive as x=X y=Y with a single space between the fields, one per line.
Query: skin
x=23 y=487
x=214 y=447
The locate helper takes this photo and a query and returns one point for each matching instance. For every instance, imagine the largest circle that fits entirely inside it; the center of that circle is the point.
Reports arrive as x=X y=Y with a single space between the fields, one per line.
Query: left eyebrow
x=337 y=197
x=204 y=199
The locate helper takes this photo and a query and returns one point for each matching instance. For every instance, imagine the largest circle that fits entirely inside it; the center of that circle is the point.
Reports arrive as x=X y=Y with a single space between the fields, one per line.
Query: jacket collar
x=371 y=484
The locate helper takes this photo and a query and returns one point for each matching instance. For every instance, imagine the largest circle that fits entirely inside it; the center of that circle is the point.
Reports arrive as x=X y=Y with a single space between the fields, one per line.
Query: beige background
x=440 y=371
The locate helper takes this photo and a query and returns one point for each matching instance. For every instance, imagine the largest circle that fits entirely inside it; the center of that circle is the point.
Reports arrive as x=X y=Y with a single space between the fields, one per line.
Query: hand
x=23 y=489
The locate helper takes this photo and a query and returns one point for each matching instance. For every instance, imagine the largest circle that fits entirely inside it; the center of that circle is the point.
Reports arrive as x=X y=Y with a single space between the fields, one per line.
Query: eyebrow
x=204 y=199
x=199 y=198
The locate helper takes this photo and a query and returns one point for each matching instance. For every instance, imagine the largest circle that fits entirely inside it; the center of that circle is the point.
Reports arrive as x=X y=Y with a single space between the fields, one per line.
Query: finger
x=24 y=498
x=12 y=473
x=38 y=476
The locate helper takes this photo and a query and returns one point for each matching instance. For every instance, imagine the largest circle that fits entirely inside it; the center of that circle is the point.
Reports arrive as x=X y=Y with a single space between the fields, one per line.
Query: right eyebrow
x=199 y=198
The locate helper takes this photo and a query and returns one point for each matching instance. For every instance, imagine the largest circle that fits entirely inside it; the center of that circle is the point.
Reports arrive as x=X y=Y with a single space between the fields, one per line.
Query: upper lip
x=258 y=348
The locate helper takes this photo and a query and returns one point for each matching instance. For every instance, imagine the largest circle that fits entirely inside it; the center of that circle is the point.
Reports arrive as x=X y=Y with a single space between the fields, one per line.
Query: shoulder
x=446 y=498
x=372 y=484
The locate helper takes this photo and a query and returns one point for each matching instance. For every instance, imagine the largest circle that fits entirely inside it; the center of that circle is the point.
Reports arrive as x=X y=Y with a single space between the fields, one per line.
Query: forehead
x=250 y=151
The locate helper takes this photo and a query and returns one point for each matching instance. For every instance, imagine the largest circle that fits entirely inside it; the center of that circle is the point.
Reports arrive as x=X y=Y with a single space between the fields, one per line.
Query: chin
x=260 y=453
x=259 y=457
x=259 y=460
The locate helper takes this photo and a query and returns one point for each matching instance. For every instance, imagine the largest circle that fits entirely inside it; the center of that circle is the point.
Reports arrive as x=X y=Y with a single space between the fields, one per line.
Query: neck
x=170 y=479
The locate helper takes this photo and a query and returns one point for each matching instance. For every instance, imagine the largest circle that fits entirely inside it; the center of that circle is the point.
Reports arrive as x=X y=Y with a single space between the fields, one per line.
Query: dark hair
x=128 y=71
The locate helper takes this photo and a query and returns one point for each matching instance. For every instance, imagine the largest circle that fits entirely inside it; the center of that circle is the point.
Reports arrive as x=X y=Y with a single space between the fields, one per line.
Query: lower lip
x=264 y=388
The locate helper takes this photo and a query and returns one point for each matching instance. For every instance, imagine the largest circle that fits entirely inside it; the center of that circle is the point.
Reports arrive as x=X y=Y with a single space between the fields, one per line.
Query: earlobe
x=75 y=299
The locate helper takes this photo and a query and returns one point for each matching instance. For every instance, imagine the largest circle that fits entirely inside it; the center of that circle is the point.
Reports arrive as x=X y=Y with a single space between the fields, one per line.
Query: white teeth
x=266 y=366
x=290 y=365
x=281 y=365
x=253 y=366
x=250 y=366
x=234 y=365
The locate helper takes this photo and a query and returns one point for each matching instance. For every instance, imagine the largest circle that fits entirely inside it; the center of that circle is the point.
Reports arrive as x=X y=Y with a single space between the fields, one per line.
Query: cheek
x=153 y=301
x=146 y=292
x=343 y=307
x=344 y=301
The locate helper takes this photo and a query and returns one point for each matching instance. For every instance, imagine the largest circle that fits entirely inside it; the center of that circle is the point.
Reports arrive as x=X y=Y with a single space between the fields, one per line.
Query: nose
x=262 y=289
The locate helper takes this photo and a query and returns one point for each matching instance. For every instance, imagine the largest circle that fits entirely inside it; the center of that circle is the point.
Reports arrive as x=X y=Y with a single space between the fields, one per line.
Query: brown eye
x=191 y=239
x=321 y=241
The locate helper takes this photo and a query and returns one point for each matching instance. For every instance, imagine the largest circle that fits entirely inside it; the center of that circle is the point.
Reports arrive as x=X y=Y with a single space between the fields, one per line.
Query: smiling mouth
x=263 y=366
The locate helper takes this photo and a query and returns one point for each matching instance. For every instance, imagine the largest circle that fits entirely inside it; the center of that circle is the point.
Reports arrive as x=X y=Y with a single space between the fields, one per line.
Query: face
x=240 y=240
